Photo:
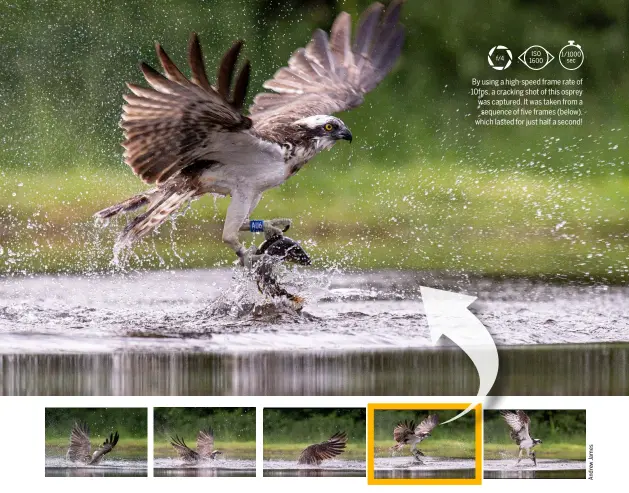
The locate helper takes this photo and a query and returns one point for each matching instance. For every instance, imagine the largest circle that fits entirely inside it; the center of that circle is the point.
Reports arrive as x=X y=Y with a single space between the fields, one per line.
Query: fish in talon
x=274 y=249
x=285 y=248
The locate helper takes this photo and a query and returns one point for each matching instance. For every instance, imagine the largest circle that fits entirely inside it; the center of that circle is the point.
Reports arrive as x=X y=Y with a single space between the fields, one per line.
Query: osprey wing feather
x=107 y=446
x=185 y=452
x=333 y=446
x=177 y=121
x=427 y=425
x=403 y=430
x=205 y=442
x=80 y=448
x=332 y=74
x=519 y=423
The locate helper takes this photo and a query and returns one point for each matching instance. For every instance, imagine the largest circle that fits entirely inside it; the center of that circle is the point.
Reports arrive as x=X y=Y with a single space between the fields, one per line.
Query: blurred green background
x=454 y=440
x=562 y=433
x=288 y=431
x=234 y=429
x=130 y=423
x=419 y=188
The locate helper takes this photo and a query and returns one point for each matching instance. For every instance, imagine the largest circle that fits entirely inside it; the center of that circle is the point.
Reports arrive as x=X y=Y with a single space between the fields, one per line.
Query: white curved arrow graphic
x=447 y=315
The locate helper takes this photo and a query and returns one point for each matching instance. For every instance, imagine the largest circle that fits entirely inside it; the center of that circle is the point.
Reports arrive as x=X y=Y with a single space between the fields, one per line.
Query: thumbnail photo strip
x=386 y=443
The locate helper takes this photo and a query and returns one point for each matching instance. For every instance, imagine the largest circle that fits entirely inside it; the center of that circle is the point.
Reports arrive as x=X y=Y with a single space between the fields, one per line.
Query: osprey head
x=325 y=129
x=536 y=441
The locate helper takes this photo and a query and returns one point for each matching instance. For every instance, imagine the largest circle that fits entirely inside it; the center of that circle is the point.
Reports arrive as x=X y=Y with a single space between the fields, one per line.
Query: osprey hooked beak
x=344 y=133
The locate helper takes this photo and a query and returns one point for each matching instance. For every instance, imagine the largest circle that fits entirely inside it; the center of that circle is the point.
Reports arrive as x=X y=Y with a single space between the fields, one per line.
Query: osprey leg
x=270 y=228
x=237 y=213
x=416 y=453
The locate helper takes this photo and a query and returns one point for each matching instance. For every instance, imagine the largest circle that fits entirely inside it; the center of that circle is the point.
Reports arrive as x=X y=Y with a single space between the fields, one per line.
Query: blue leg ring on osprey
x=256 y=226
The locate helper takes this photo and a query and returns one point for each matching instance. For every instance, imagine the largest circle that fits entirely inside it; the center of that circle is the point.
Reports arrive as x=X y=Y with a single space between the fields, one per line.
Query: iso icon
x=500 y=57
x=536 y=57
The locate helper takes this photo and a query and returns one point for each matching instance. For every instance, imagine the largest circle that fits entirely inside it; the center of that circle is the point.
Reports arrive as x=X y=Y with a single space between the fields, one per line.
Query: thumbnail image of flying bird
x=520 y=424
x=333 y=446
x=80 y=447
x=189 y=138
x=205 y=447
x=406 y=433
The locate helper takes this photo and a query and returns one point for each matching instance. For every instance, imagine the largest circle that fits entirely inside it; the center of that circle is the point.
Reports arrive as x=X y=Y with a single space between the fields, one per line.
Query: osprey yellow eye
x=328 y=127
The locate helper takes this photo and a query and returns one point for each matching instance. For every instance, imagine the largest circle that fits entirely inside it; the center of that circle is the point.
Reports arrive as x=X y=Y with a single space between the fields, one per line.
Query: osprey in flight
x=80 y=447
x=520 y=423
x=406 y=433
x=188 y=137
x=205 y=447
x=333 y=446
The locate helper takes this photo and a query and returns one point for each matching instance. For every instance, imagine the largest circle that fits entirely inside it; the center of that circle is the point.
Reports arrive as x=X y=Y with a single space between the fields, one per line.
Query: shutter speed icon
x=536 y=57
x=571 y=56
x=500 y=57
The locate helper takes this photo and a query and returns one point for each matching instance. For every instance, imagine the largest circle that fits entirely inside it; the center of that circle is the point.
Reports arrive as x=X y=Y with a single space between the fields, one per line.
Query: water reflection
x=202 y=472
x=91 y=472
x=313 y=473
x=587 y=369
x=532 y=474
x=432 y=474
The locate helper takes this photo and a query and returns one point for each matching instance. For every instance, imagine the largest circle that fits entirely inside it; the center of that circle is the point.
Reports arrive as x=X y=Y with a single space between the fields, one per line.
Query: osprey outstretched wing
x=403 y=431
x=333 y=446
x=424 y=428
x=519 y=423
x=205 y=447
x=179 y=121
x=80 y=447
x=185 y=452
x=190 y=138
x=205 y=443
x=333 y=74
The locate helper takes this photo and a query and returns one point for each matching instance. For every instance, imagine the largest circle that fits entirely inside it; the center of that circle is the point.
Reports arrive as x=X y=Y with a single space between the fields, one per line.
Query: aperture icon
x=500 y=57
x=536 y=57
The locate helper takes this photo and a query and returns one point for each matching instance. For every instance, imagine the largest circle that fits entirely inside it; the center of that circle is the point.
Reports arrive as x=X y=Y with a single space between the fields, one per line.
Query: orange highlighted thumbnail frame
x=478 y=444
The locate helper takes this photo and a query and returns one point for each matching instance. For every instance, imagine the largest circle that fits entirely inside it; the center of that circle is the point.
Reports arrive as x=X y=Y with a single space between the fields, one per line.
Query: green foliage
x=129 y=422
x=438 y=219
x=229 y=424
x=294 y=425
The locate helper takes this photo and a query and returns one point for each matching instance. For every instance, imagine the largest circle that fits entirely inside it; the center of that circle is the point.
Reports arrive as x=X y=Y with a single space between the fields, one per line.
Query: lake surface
x=545 y=469
x=210 y=332
x=427 y=474
x=60 y=467
x=164 y=467
x=328 y=468
x=313 y=473
x=214 y=472
x=222 y=310
x=430 y=467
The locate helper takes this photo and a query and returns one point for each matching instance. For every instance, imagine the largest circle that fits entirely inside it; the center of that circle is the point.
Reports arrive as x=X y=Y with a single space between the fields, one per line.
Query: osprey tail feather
x=160 y=204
